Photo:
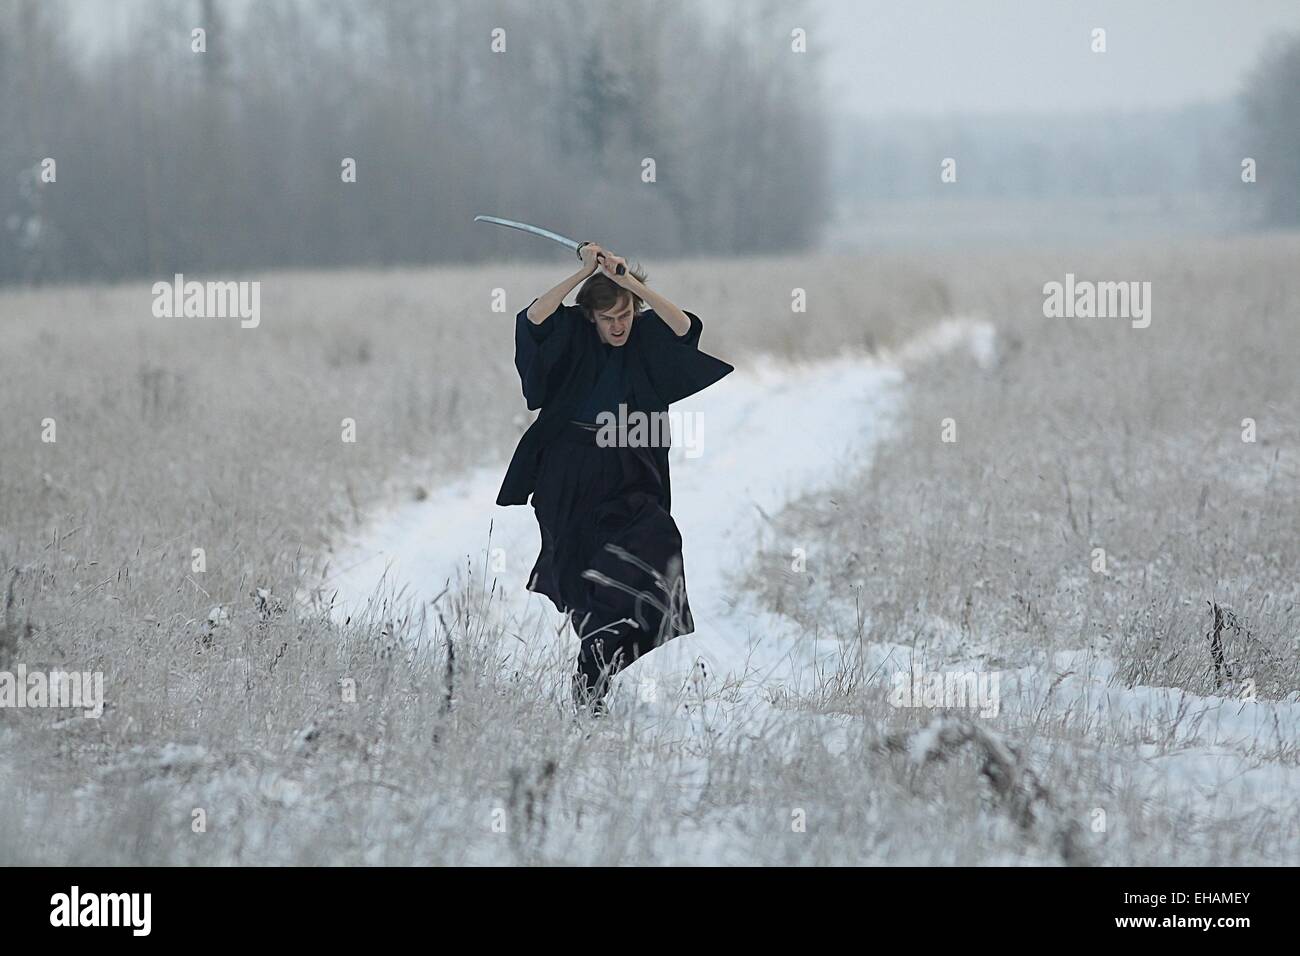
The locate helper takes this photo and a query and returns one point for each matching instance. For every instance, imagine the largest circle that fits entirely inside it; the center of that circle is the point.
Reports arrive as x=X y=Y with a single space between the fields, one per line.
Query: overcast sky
x=979 y=56
x=940 y=56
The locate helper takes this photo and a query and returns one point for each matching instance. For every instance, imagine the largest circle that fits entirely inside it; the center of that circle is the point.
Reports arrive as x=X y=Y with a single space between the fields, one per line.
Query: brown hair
x=600 y=293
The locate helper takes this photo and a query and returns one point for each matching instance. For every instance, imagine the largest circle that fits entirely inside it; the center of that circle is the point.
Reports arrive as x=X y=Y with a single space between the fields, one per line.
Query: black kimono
x=594 y=502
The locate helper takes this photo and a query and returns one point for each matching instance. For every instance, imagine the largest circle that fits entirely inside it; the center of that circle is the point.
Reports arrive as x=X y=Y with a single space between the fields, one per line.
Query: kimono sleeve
x=692 y=337
x=662 y=331
x=541 y=353
x=674 y=363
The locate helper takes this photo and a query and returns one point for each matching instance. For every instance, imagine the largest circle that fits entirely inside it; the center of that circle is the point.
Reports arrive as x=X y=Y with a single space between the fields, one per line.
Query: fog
x=666 y=128
x=936 y=57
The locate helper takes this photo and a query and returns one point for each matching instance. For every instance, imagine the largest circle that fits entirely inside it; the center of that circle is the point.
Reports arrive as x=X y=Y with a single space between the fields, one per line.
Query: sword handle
x=618 y=271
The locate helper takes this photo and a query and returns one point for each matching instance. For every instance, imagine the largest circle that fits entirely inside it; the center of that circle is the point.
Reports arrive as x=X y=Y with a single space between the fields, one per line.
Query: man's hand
x=610 y=263
x=592 y=253
x=596 y=256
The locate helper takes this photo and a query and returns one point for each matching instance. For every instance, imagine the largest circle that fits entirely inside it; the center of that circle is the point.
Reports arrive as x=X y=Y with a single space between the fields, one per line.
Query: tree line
x=167 y=159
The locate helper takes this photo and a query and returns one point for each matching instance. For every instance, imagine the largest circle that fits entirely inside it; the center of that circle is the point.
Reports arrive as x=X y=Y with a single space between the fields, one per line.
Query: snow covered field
x=1223 y=759
x=822 y=418
x=435 y=728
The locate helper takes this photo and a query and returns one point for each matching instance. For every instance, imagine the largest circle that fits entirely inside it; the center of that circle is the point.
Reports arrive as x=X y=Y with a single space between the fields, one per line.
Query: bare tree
x=1272 y=108
x=177 y=160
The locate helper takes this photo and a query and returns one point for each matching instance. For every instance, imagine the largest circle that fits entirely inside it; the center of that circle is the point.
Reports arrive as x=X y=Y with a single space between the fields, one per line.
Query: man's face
x=615 y=323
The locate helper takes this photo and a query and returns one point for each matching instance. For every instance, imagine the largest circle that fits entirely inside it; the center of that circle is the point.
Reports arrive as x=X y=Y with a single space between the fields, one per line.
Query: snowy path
x=766 y=435
x=770 y=433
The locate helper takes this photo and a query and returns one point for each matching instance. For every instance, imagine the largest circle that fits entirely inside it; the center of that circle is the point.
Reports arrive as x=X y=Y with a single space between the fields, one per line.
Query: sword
x=544 y=233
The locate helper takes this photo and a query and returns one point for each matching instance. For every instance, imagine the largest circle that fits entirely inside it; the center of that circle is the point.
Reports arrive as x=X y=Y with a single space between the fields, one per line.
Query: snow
x=765 y=434
x=772 y=432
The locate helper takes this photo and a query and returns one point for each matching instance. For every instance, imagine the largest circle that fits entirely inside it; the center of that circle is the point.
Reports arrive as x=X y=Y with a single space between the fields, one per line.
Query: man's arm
x=548 y=302
x=676 y=319
x=673 y=317
x=545 y=306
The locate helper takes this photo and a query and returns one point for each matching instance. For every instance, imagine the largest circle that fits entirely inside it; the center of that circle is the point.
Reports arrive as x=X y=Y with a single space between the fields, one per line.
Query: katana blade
x=534 y=230
x=544 y=233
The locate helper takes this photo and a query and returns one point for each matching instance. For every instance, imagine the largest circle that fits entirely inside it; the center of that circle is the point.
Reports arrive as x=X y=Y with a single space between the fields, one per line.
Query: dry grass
x=178 y=434
x=1084 y=434
x=1089 y=434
